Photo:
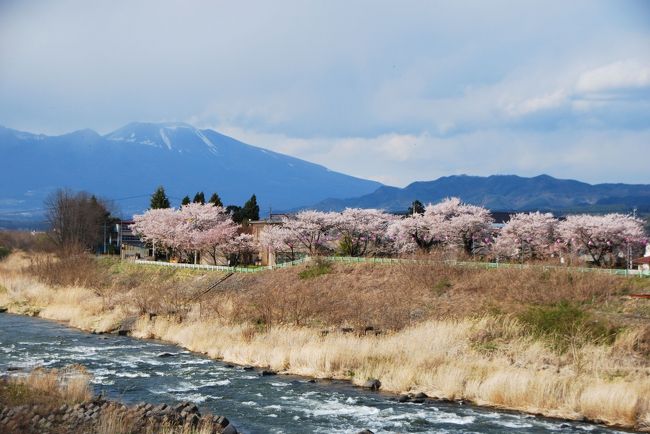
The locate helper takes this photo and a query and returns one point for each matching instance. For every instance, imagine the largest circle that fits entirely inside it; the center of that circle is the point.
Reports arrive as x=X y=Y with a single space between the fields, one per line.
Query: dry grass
x=445 y=330
x=112 y=421
x=440 y=359
x=47 y=387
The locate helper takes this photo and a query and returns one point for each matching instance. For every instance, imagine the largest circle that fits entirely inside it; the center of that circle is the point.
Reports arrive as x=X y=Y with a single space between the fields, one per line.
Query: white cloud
x=399 y=159
x=546 y=102
x=621 y=75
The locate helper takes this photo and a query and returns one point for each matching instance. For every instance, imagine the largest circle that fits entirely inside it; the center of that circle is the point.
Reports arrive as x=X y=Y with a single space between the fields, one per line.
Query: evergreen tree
x=250 y=210
x=159 y=199
x=215 y=200
x=236 y=212
x=199 y=198
x=415 y=208
x=186 y=200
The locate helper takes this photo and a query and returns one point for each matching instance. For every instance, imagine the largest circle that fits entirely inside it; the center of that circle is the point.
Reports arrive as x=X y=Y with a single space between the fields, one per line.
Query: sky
x=395 y=91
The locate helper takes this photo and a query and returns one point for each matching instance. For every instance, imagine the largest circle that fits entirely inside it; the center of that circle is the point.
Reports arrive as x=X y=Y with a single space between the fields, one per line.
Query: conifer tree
x=186 y=200
x=199 y=198
x=250 y=210
x=416 y=208
x=159 y=199
x=215 y=200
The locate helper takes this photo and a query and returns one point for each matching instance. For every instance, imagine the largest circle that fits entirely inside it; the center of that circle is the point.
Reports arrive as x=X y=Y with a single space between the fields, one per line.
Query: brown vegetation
x=557 y=342
x=60 y=401
x=48 y=388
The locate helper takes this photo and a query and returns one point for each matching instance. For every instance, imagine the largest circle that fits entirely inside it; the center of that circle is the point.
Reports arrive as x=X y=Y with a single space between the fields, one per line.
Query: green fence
x=352 y=260
x=487 y=265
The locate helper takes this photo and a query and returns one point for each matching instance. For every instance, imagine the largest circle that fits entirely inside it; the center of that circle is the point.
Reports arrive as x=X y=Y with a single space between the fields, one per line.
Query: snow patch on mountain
x=165 y=139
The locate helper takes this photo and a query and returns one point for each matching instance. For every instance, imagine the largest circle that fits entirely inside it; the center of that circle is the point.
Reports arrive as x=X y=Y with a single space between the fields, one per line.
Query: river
x=132 y=370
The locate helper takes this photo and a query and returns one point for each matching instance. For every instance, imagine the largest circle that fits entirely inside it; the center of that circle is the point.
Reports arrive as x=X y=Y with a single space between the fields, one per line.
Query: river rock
x=230 y=429
x=166 y=355
x=267 y=372
x=372 y=384
x=127 y=326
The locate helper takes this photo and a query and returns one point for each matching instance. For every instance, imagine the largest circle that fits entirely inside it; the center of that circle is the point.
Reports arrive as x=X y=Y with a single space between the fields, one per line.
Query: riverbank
x=61 y=401
x=480 y=355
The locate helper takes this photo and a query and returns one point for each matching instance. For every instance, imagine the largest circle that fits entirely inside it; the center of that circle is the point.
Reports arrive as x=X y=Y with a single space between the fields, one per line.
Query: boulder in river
x=372 y=384
x=166 y=355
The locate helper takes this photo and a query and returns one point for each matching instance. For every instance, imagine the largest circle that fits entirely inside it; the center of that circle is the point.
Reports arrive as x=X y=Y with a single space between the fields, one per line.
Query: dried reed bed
x=47 y=387
x=440 y=358
x=444 y=330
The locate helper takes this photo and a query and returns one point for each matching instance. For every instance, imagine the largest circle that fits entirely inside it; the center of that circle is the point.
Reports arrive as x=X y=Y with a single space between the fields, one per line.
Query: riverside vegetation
x=61 y=401
x=555 y=342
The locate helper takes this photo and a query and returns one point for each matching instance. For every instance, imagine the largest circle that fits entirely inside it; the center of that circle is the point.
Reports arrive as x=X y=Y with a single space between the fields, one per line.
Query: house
x=129 y=244
x=644 y=262
x=266 y=255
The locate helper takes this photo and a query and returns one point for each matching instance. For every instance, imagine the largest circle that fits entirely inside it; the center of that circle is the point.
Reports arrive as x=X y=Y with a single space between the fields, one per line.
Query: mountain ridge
x=505 y=193
x=136 y=158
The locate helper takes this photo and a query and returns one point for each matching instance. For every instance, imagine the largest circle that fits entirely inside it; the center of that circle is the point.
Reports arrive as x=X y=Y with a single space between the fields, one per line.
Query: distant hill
x=506 y=193
x=129 y=163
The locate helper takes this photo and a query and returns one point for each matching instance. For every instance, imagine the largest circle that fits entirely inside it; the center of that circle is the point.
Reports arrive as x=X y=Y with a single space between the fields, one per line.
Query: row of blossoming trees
x=449 y=225
x=193 y=229
x=453 y=225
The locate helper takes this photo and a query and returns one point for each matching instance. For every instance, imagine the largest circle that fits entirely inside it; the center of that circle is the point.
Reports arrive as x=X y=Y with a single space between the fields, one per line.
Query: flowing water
x=133 y=370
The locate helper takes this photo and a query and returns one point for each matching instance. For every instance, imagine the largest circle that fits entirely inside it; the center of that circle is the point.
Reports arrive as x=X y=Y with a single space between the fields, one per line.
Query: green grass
x=441 y=286
x=4 y=252
x=318 y=268
x=564 y=324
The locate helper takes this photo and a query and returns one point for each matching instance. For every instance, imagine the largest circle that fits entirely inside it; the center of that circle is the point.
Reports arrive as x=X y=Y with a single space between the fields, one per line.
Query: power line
x=118 y=199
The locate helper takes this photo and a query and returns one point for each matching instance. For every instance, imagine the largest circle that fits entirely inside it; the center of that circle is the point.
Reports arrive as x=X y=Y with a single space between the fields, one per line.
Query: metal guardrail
x=350 y=259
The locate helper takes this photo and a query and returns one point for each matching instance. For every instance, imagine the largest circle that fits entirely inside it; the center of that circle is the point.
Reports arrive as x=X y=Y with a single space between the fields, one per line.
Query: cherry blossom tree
x=213 y=239
x=449 y=222
x=465 y=226
x=204 y=227
x=158 y=227
x=278 y=238
x=528 y=236
x=602 y=237
x=193 y=228
x=417 y=232
x=359 y=229
x=312 y=229
x=239 y=248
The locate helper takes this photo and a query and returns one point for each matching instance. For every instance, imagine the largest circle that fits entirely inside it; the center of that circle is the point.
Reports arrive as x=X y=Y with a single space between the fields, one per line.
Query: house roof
x=644 y=260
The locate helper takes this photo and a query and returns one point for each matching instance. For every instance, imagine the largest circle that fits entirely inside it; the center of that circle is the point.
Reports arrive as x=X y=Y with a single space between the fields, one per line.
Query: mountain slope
x=136 y=158
x=505 y=192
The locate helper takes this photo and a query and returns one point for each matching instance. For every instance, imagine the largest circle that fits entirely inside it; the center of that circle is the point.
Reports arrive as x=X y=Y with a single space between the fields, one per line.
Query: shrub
x=565 y=324
x=68 y=385
x=4 y=252
x=26 y=241
x=318 y=268
x=77 y=270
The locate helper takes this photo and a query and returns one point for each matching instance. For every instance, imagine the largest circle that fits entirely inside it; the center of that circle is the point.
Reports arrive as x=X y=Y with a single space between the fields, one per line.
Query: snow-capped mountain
x=128 y=164
x=173 y=136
